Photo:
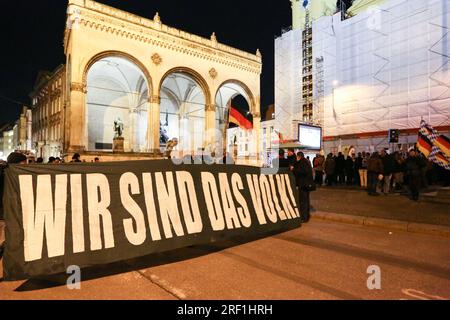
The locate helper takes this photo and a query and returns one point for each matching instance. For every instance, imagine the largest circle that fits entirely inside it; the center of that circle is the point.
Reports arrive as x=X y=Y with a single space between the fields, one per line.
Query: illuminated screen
x=310 y=137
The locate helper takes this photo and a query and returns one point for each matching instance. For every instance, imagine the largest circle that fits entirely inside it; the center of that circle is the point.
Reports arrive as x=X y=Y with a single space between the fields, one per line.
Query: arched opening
x=117 y=90
x=183 y=103
x=234 y=120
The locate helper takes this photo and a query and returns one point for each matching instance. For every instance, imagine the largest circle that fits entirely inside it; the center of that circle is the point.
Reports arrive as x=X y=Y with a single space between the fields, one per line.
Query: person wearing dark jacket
x=388 y=169
x=374 y=172
x=330 y=166
x=292 y=158
x=281 y=161
x=349 y=170
x=13 y=158
x=414 y=167
x=399 y=170
x=340 y=168
x=358 y=167
x=304 y=179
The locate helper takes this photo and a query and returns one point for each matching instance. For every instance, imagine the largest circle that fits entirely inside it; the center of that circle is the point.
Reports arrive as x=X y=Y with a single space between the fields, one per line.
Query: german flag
x=424 y=145
x=440 y=141
x=237 y=118
x=443 y=143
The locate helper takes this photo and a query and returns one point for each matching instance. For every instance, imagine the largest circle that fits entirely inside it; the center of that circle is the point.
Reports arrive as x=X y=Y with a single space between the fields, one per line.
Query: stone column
x=154 y=122
x=210 y=126
x=77 y=116
x=257 y=135
x=134 y=145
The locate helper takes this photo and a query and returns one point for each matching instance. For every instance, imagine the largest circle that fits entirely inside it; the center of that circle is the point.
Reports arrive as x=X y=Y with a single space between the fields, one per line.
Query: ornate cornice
x=126 y=25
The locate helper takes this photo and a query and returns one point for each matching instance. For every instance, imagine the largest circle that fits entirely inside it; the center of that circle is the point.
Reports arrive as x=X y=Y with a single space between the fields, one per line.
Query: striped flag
x=439 y=158
x=237 y=118
x=440 y=141
x=424 y=145
x=434 y=146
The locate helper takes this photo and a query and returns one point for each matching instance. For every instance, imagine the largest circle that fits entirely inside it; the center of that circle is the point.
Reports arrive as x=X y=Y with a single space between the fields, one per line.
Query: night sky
x=32 y=36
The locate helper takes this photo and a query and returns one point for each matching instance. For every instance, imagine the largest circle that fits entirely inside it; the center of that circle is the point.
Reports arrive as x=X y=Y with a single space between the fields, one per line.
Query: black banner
x=92 y=214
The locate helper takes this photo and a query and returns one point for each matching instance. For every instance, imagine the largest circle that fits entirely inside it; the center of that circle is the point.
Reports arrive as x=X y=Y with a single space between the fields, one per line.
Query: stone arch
x=116 y=87
x=195 y=75
x=248 y=93
x=186 y=118
x=226 y=92
x=121 y=54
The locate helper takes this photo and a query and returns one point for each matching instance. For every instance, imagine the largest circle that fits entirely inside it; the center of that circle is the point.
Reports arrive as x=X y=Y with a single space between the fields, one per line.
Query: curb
x=396 y=225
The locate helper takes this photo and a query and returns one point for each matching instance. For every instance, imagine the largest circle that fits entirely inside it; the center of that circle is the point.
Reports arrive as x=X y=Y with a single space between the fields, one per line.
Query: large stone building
x=161 y=83
x=49 y=100
x=380 y=65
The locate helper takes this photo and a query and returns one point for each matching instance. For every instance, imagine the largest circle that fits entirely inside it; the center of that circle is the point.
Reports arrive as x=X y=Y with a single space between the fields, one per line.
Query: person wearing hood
x=14 y=158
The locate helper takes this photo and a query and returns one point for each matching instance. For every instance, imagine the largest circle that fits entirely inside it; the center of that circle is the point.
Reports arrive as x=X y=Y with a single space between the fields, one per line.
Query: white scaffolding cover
x=389 y=65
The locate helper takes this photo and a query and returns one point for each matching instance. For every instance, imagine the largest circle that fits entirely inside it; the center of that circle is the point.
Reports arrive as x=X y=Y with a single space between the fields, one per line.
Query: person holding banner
x=305 y=184
x=13 y=158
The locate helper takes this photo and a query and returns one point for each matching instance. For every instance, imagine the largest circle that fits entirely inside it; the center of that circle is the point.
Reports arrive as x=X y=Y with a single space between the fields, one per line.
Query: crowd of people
x=379 y=172
x=20 y=158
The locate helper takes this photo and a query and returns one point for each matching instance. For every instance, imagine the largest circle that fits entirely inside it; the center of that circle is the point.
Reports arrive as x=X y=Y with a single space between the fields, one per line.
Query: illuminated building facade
x=382 y=65
x=161 y=83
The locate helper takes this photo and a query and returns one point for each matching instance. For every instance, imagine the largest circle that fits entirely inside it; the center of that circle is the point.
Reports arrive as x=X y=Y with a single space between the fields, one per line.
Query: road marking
x=177 y=293
x=421 y=295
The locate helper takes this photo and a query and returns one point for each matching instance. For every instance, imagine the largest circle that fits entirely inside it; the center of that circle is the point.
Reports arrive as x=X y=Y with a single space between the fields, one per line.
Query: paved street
x=321 y=260
x=353 y=201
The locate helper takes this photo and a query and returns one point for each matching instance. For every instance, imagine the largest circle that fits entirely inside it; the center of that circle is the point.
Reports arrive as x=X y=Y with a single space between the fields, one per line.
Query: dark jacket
x=388 y=164
x=292 y=160
x=399 y=165
x=375 y=165
x=349 y=166
x=281 y=163
x=414 y=167
x=330 y=166
x=303 y=173
x=340 y=164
